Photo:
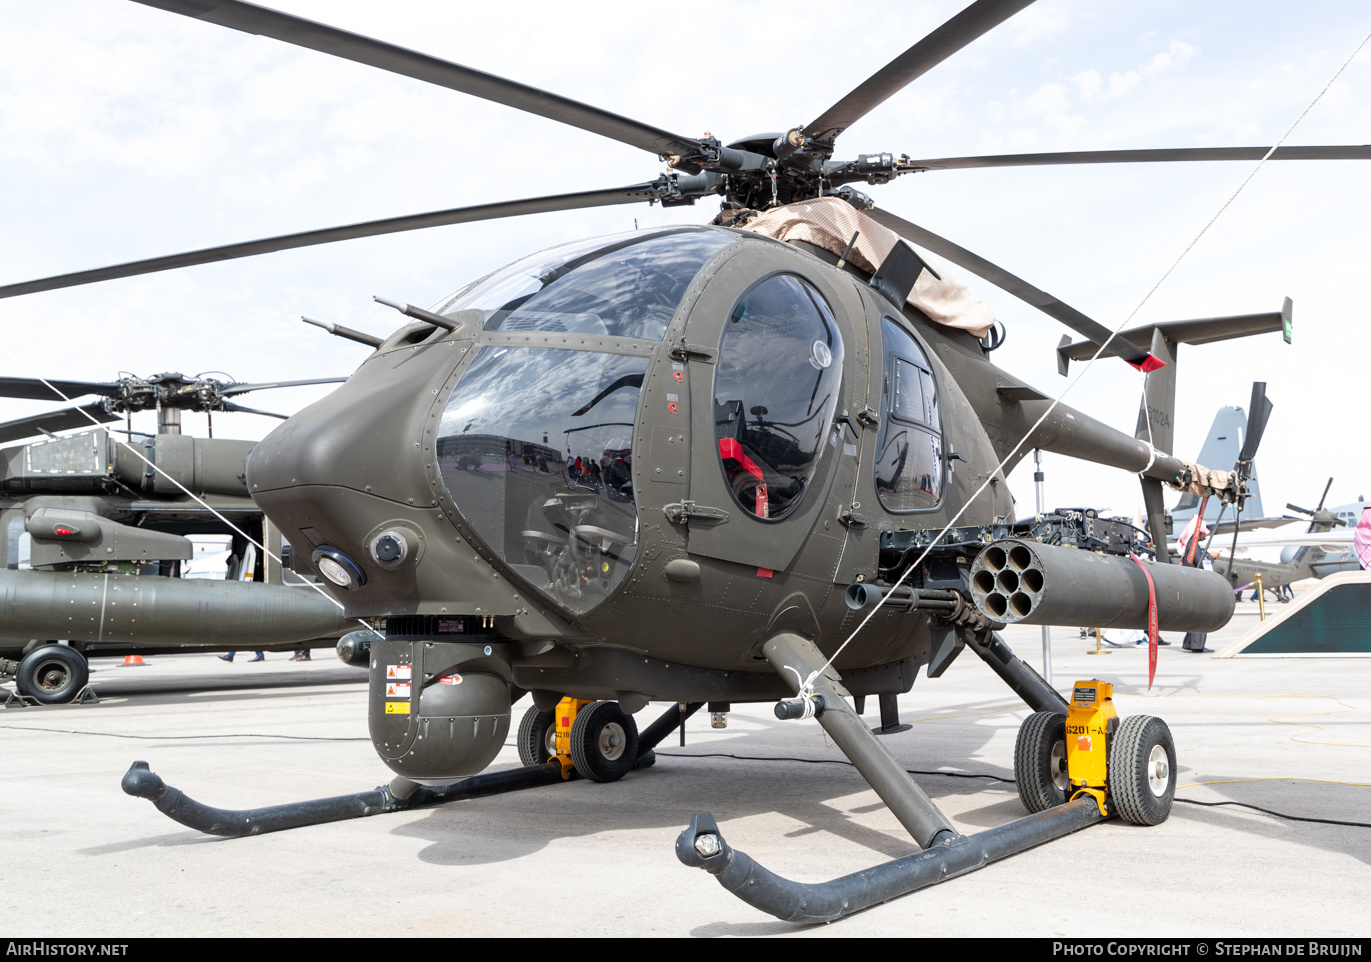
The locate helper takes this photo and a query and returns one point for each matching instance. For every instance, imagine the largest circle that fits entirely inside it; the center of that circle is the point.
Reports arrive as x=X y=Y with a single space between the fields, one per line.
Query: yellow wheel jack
x=565 y=717
x=1128 y=767
x=1090 y=723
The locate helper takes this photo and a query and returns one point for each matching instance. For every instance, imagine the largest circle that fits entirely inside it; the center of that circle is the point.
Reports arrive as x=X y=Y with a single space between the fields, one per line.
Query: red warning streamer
x=1151 y=622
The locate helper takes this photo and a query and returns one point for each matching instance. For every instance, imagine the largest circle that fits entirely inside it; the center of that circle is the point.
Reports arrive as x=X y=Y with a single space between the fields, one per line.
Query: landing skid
x=827 y=901
x=946 y=852
x=399 y=796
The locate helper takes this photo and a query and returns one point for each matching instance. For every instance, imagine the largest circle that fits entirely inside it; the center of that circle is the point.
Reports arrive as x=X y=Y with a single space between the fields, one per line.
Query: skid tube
x=945 y=851
x=141 y=782
x=829 y=901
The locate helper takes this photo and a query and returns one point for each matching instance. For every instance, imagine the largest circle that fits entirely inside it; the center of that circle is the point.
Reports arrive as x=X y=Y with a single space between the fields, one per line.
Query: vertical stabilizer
x=1157 y=413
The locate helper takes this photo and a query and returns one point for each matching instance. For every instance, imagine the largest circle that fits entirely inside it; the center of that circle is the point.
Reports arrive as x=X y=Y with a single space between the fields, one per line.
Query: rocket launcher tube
x=1025 y=582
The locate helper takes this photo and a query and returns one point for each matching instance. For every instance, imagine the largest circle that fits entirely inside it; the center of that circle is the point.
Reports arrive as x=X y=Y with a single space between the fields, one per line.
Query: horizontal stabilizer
x=1203 y=330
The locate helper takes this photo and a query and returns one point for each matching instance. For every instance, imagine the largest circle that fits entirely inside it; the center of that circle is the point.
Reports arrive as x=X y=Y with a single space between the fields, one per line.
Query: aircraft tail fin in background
x=1221 y=447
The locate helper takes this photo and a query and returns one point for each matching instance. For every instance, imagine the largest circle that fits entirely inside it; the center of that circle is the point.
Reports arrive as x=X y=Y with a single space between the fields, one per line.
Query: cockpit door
x=764 y=447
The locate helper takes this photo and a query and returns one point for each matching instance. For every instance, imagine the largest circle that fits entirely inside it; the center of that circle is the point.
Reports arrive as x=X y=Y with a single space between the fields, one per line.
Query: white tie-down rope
x=204 y=504
x=807 y=688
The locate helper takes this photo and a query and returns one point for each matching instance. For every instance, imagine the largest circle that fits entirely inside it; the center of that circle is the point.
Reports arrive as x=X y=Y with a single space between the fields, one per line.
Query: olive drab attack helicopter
x=759 y=460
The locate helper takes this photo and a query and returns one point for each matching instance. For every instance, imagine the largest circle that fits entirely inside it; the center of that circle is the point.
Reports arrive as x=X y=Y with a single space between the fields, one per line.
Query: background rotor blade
x=1152 y=155
x=1257 y=416
x=231 y=406
x=438 y=218
x=977 y=19
x=36 y=389
x=229 y=390
x=32 y=387
x=265 y=22
x=1020 y=288
x=54 y=421
x=1324 y=498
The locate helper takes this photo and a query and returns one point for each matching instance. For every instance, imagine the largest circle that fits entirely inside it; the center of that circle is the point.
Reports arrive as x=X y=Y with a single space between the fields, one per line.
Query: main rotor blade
x=977 y=19
x=229 y=390
x=1145 y=156
x=1020 y=288
x=439 y=218
x=32 y=387
x=263 y=21
x=54 y=421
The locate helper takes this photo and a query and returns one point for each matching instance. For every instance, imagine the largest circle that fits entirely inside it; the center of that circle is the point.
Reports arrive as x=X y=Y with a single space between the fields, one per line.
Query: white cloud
x=1038 y=23
x=1173 y=57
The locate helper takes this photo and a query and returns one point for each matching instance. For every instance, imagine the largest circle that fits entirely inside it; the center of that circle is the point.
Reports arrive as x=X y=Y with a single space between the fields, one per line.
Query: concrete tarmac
x=82 y=859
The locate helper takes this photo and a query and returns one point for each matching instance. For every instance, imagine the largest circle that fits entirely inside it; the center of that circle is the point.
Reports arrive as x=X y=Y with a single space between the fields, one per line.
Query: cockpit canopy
x=624 y=285
x=535 y=445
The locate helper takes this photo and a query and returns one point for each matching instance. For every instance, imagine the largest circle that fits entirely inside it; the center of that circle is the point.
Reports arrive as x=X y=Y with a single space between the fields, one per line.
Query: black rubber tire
x=1140 y=791
x=52 y=674
x=1040 y=761
x=535 y=730
x=604 y=742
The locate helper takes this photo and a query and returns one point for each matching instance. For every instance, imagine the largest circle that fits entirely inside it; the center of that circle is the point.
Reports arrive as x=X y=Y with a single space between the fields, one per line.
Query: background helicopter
x=381 y=550
x=1302 y=555
x=81 y=519
x=238 y=160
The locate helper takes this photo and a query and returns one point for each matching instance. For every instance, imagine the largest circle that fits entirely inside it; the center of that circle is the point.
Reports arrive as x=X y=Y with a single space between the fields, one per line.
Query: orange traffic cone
x=132 y=660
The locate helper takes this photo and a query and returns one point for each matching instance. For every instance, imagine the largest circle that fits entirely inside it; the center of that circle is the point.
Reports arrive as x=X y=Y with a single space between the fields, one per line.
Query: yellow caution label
x=397 y=708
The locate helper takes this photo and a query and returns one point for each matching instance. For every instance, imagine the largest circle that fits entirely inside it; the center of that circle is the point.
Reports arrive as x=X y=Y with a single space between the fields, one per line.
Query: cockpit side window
x=627 y=285
x=776 y=388
x=909 y=445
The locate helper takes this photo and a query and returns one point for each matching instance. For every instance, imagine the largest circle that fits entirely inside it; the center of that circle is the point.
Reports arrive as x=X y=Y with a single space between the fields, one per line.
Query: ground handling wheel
x=604 y=742
x=1040 y=762
x=1142 y=770
x=52 y=675
x=537 y=737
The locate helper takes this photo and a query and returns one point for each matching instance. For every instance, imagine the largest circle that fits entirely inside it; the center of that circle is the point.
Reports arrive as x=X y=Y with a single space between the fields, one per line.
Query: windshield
x=624 y=285
x=534 y=448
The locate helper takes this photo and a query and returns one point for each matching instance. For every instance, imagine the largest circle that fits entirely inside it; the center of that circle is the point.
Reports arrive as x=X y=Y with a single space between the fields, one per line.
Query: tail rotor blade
x=1256 y=421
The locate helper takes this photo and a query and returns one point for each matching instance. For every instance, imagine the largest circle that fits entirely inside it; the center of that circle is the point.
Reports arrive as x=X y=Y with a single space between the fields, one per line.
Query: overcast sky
x=128 y=132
